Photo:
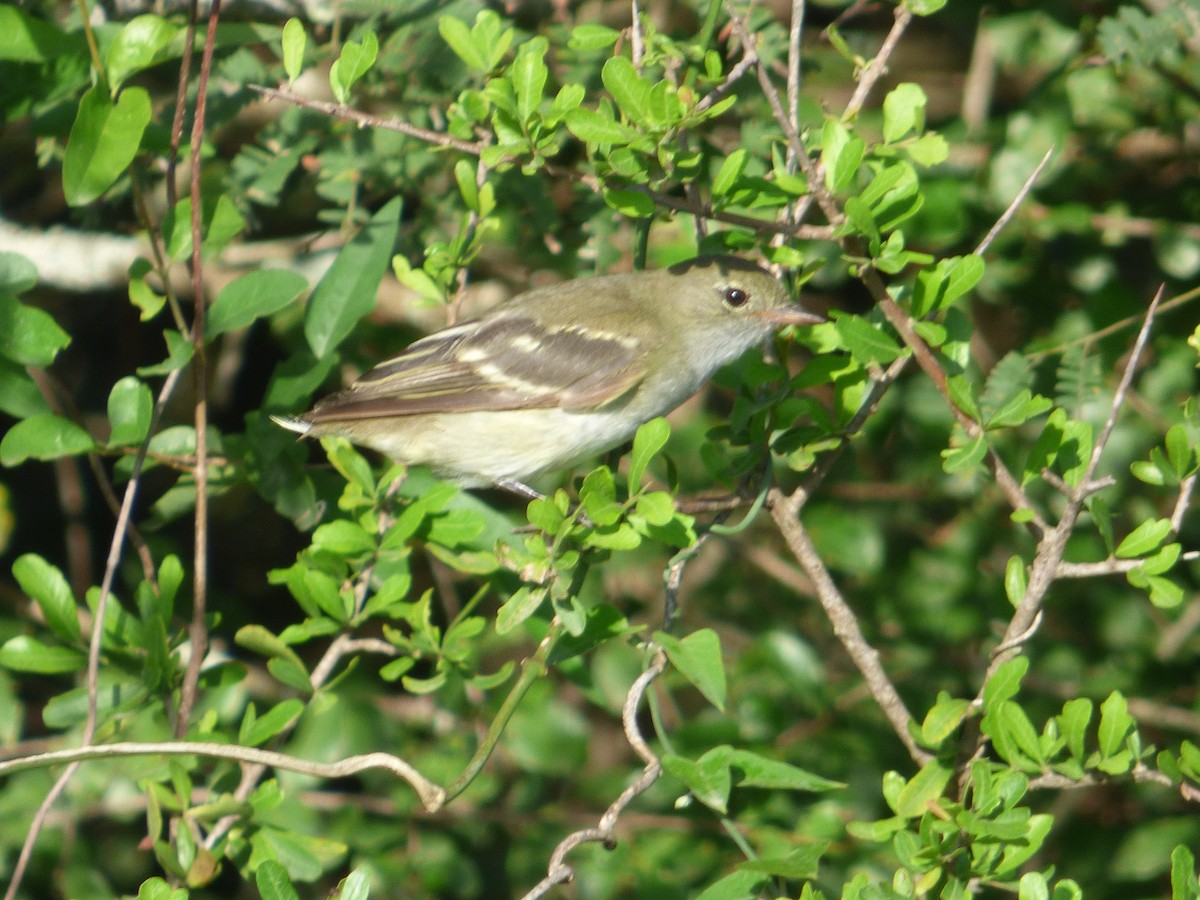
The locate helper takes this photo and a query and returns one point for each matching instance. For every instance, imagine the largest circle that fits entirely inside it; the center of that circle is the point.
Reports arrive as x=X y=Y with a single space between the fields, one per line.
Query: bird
x=558 y=374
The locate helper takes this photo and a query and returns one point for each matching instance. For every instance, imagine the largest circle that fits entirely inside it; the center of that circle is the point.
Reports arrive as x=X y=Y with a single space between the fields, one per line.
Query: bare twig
x=878 y=66
x=785 y=512
x=925 y=358
x=198 y=630
x=120 y=530
x=795 y=72
x=1006 y=217
x=558 y=871
x=338 y=111
x=432 y=796
x=637 y=41
x=1053 y=544
x=795 y=146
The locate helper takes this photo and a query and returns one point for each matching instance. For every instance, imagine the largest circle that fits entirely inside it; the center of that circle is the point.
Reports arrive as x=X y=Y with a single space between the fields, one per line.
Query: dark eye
x=735 y=297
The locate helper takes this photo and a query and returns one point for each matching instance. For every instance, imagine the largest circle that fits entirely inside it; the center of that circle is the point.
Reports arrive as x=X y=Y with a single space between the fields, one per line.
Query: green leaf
x=179 y=354
x=355 y=61
x=649 y=440
x=257 y=639
x=708 y=778
x=802 y=863
x=529 y=75
x=253 y=296
x=730 y=172
x=656 y=507
x=738 y=885
x=592 y=37
x=1144 y=539
x=103 y=141
x=841 y=155
x=29 y=336
x=294 y=40
x=142 y=42
x=628 y=89
x=593 y=127
x=943 y=719
x=634 y=204
x=24 y=38
x=866 y=343
x=1015 y=580
x=343 y=538
x=458 y=37
x=698 y=659
x=46 y=586
x=1179 y=451
x=903 y=111
x=1005 y=683
x=17 y=273
x=45 y=436
x=1073 y=723
x=1019 y=410
x=355 y=886
x=923 y=789
x=256 y=731
x=25 y=654
x=966 y=457
x=519 y=607
x=130 y=407
x=1115 y=724
x=346 y=292
x=928 y=150
x=272 y=881
x=762 y=772
x=1184 y=884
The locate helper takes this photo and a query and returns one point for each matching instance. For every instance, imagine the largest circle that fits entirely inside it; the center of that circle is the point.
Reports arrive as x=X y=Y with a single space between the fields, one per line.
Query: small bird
x=558 y=374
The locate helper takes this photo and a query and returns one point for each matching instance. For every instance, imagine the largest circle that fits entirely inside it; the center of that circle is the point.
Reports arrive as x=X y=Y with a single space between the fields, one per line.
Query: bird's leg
x=520 y=489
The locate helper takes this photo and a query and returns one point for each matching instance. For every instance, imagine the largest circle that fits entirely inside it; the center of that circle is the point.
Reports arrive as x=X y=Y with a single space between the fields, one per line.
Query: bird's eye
x=735 y=297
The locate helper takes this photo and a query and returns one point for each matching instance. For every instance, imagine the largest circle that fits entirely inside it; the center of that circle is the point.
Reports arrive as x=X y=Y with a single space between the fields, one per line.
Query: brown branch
x=1053 y=544
x=558 y=871
x=198 y=629
x=795 y=146
x=1011 y=211
x=878 y=66
x=430 y=793
x=338 y=111
x=785 y=512
x=925 y=358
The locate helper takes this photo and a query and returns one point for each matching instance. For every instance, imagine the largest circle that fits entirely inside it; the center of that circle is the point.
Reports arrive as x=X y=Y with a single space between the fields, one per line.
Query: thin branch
x=558 y=871
x=198 y=629
x=637 y=41
x=1129 y=322
x=1186 y=488
x=339 y=111
x=1051 y=547
x=785 y=512
x=795 y=146
x=1006 y=217
x=878 y=66
x=432 y=796
x=925 y=358
x=95 y=642
x=795 y=73
x=1111 y=566
x=1140 y=774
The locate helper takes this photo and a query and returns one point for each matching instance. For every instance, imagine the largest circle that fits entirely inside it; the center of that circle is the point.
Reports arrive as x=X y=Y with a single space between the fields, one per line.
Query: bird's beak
x=792 y=315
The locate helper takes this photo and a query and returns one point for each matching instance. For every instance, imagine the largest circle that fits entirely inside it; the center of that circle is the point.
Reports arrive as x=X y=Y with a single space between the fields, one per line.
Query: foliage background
x=1029 y=706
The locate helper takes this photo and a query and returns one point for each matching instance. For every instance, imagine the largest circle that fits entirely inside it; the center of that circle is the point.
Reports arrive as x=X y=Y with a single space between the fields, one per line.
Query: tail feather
x=293 y=423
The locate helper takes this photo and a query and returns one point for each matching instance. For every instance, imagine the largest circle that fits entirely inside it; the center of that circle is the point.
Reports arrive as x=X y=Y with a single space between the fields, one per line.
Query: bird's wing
x=503 y=362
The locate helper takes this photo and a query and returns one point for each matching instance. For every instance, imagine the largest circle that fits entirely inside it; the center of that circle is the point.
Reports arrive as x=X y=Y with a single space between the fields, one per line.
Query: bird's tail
x=293 y=423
